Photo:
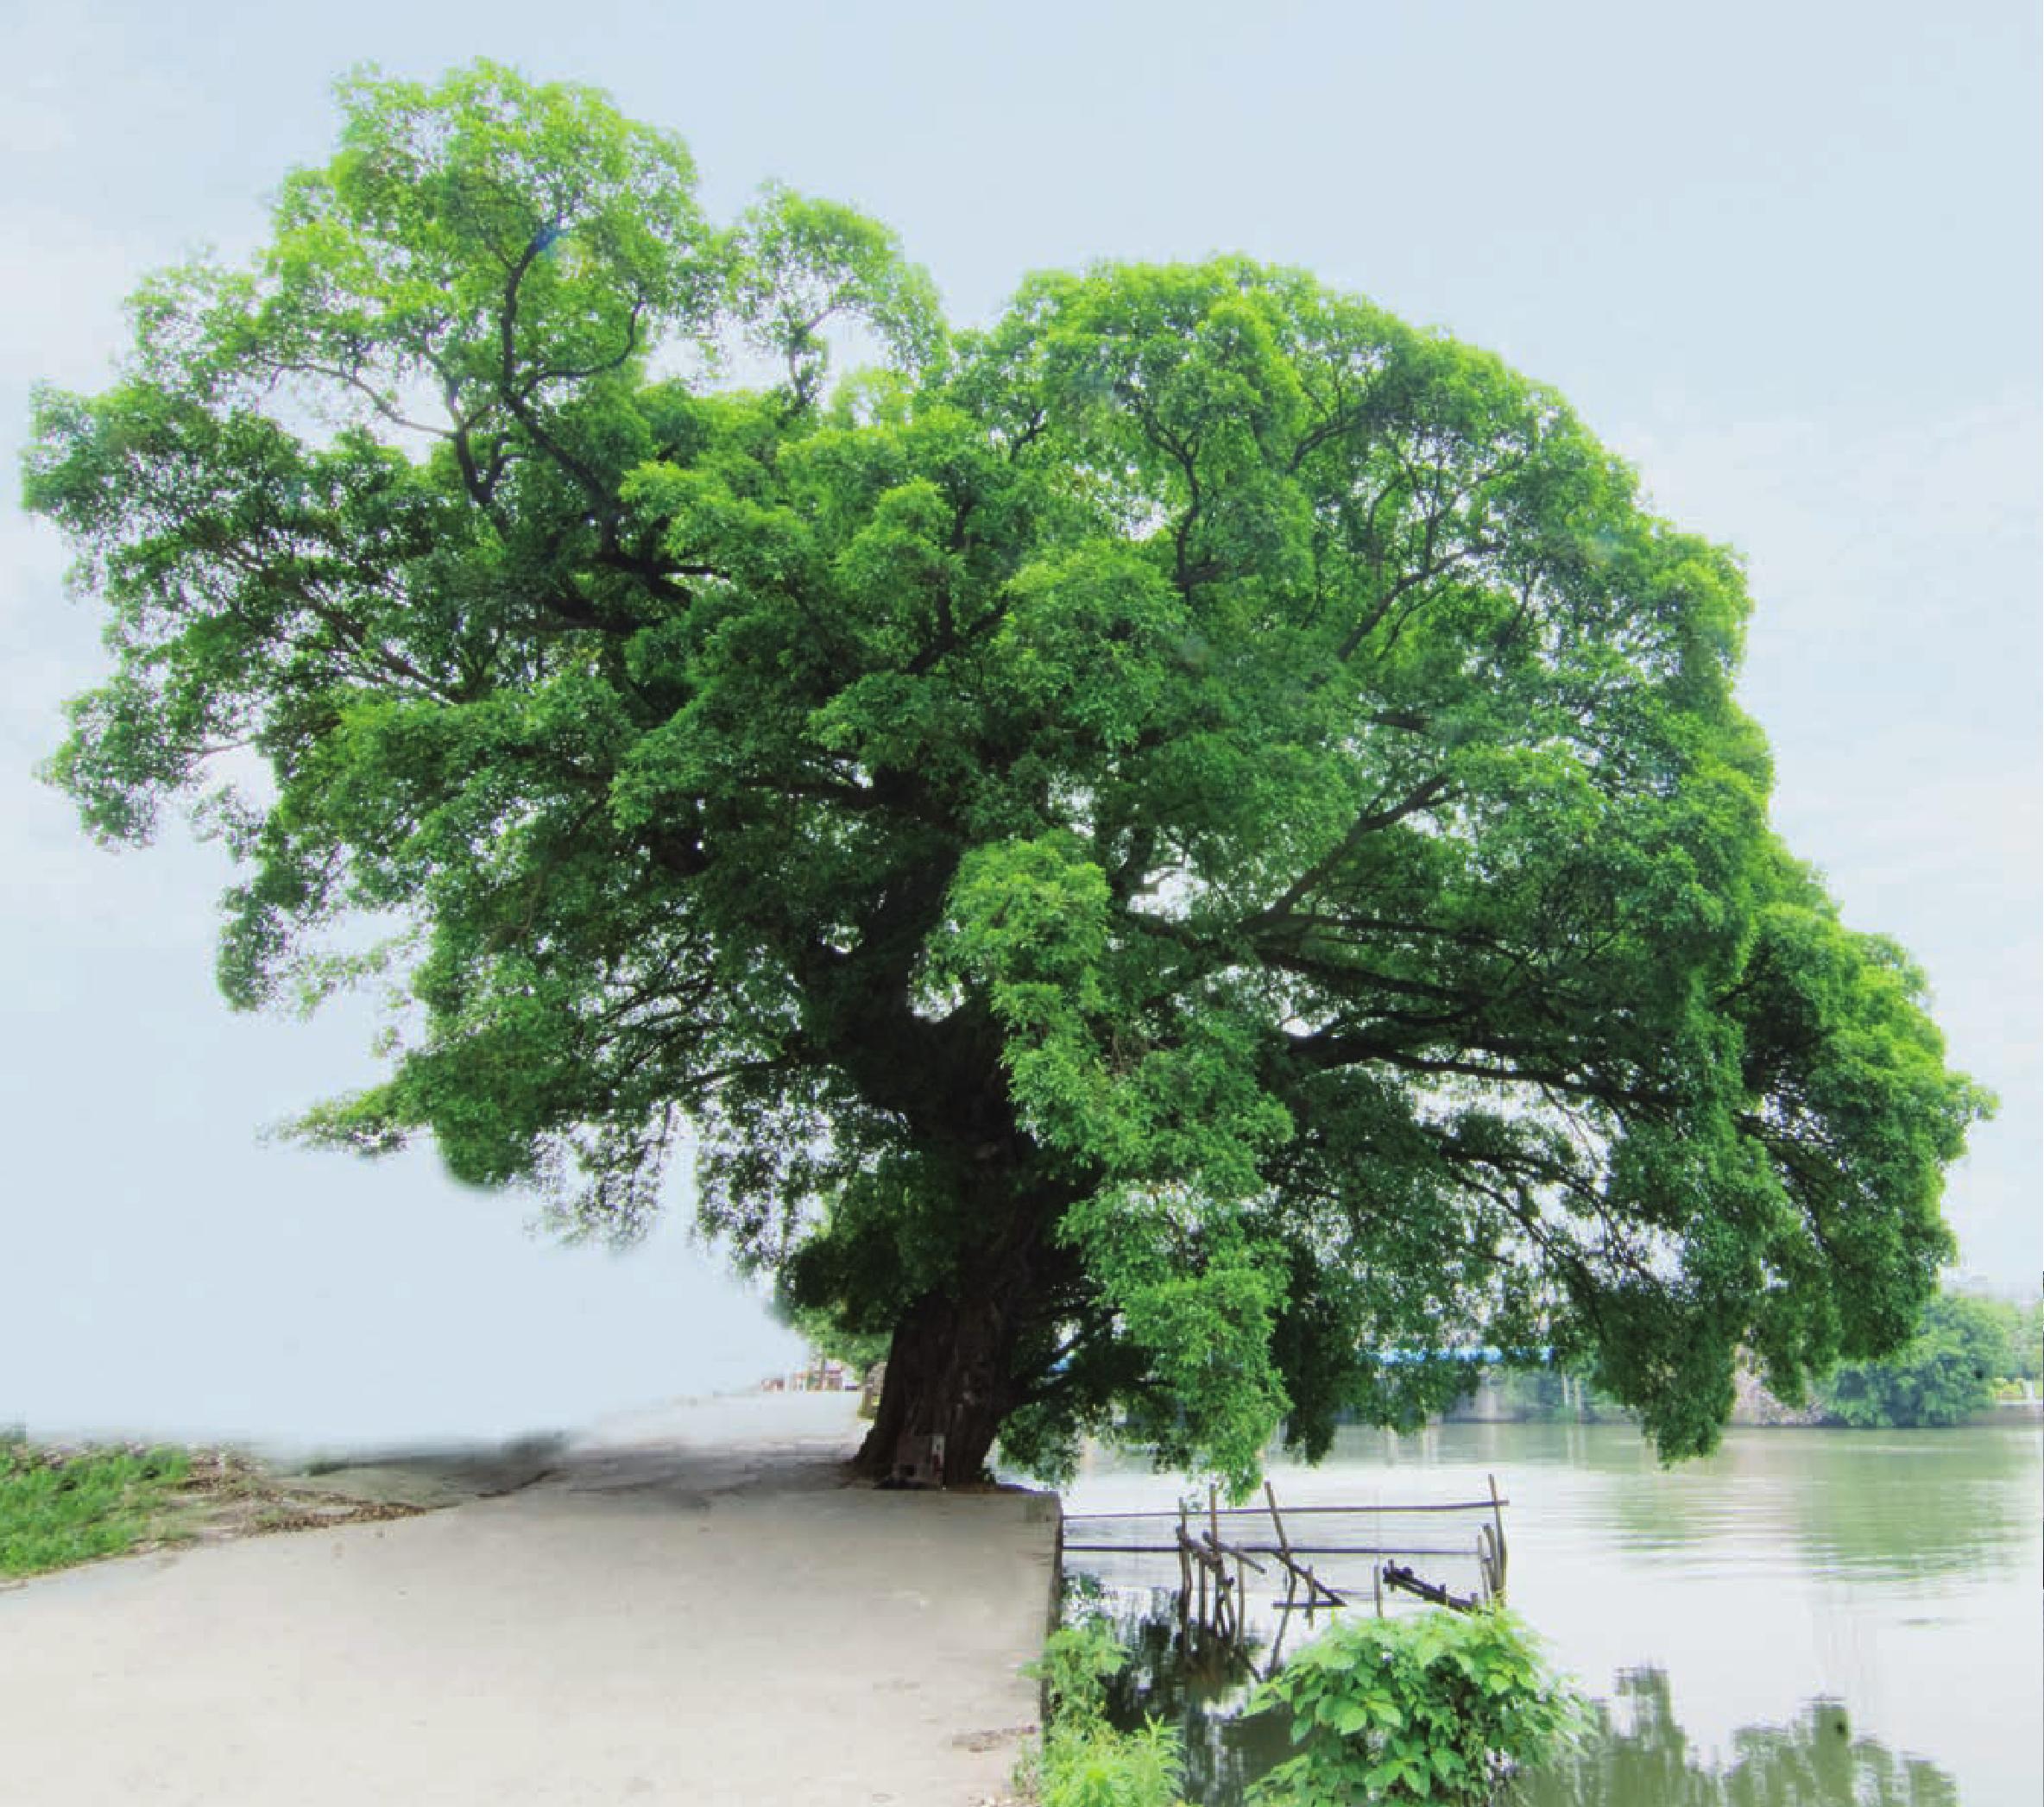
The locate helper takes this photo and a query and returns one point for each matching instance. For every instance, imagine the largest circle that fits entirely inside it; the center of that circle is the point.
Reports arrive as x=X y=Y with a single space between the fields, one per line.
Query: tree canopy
x=1160 y=852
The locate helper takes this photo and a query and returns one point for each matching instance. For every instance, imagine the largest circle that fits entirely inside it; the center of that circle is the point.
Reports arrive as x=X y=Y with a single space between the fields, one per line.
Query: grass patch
x=60 y=1507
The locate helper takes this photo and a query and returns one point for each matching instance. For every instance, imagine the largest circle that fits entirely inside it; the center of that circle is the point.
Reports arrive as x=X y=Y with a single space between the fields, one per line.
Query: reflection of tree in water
x=1895 y=1504
x=1640 y=1758
x=1643 y=1760
x=1915 y=1503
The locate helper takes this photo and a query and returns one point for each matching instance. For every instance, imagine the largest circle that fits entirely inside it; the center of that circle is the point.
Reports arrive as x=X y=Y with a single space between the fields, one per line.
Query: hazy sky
x=1786 y=260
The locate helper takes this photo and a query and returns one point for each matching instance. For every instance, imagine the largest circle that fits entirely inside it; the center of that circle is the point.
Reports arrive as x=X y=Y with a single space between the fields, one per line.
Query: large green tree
x=1157 y=853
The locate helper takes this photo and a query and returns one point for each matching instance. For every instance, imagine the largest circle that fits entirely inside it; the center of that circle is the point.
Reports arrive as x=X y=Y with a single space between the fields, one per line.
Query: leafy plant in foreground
x=1440 y=1706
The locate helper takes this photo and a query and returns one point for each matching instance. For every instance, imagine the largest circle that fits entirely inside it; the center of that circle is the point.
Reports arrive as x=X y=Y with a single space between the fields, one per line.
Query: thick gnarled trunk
x=947 y=1386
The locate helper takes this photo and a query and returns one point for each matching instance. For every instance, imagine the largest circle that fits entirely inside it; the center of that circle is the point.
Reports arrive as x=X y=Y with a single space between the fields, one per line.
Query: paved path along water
x=689 y=1607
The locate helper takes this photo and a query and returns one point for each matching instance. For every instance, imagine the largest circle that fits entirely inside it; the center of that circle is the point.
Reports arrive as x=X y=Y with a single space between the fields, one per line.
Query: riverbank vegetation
x=1435 y=1705
x=60 y=1508
x=1082 y=1761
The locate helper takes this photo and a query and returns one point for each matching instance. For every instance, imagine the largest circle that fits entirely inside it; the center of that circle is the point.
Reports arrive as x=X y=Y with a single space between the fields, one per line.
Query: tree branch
x=1366 y=824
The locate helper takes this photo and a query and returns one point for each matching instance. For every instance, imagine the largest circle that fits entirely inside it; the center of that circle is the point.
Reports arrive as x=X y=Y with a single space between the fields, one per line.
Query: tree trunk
x=948 y=1386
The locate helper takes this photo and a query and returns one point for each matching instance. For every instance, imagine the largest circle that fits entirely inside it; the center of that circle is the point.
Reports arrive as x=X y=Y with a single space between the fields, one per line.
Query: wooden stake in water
x=1497 y=1534
x=1184 y=1573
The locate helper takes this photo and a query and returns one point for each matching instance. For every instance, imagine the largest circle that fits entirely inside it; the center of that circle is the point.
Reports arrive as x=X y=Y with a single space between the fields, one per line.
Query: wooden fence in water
x=1217 y=1550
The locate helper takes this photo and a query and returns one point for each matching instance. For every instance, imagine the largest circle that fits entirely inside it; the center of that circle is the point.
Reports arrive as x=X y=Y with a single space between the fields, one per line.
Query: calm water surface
x=1808 y=1615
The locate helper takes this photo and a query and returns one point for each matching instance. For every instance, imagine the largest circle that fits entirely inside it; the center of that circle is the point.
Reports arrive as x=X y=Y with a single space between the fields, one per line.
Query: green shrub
x=1077 y=1662
x=1437 y=1707
x=1099 y=1766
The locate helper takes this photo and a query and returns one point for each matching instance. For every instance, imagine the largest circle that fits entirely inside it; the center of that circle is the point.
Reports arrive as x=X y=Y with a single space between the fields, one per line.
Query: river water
x=1808 y=1616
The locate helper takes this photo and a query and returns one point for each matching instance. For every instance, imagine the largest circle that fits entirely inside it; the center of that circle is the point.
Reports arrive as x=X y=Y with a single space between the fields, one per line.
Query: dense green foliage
x=2020 y=1329
x=1082 y=1761
x=1153 y=850
x=60 y=1507
x=1437 y=1706
x=1942 y=1375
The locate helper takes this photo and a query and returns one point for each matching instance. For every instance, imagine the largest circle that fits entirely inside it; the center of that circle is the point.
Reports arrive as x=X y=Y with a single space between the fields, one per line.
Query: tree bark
x=948 y=1376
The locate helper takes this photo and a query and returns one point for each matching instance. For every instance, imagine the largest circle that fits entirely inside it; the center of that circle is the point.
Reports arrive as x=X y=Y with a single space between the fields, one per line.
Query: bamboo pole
x=1272 y=1550
x=1241 y=1603
x=1185 y=1574
x=1277 y=1522
x=1498 y=1530
x=1221 y=1572
x=1257 y=1511
x=1315 y=1585
x=1291 y=1579
x=1407 y=1582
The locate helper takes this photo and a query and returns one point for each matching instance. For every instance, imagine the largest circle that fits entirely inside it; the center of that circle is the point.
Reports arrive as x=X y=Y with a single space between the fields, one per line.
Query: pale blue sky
x=1786 y=260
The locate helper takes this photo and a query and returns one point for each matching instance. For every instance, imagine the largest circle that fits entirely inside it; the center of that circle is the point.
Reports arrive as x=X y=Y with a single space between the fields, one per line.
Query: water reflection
x=1640 y=1755
x=1871 y=1567
x=1202 y=1690
x=1894 y=1505
x=1643 y=1758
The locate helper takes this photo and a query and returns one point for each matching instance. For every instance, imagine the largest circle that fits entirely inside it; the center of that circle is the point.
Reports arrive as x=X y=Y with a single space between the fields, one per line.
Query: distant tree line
x=1968 y=1351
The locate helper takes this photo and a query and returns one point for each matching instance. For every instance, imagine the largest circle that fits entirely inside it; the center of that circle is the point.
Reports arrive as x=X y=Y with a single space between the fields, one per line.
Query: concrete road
x=689 y=1609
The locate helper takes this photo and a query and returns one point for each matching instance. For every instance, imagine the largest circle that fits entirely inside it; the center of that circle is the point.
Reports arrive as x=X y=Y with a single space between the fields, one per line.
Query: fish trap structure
x=1322 y=1558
